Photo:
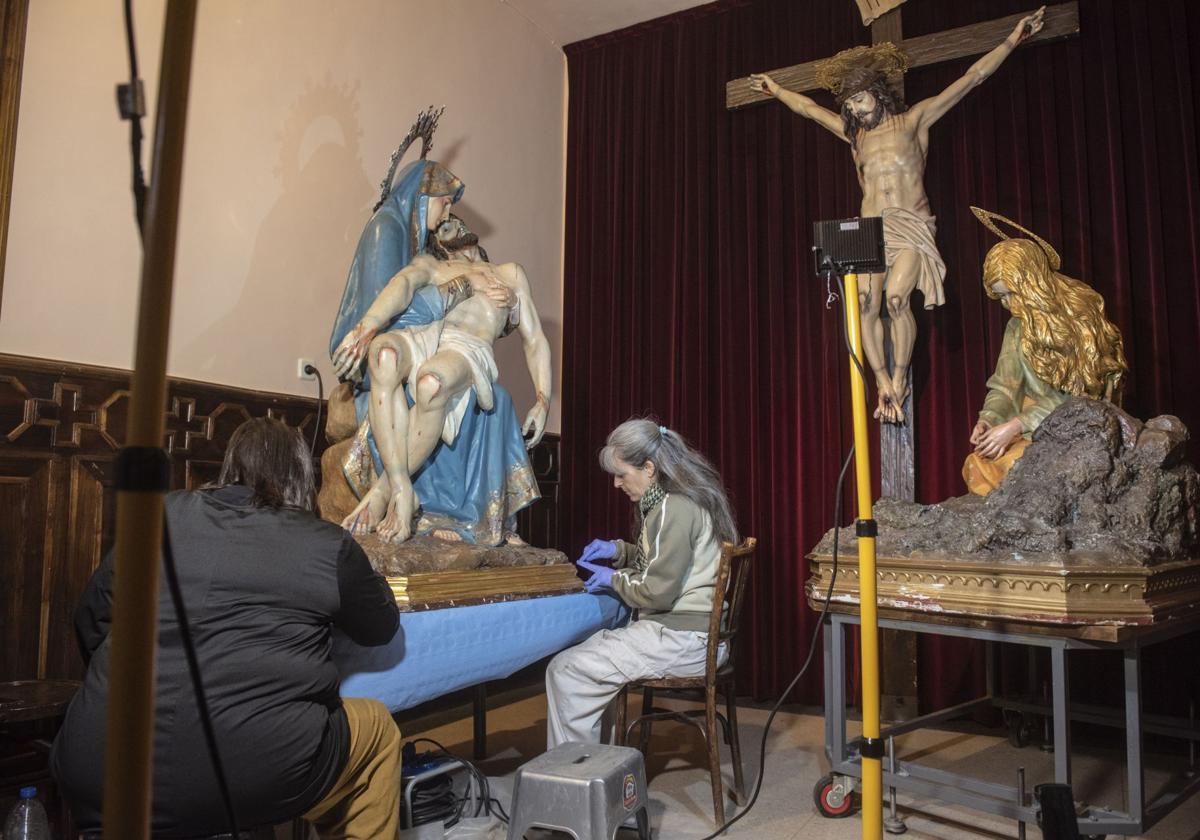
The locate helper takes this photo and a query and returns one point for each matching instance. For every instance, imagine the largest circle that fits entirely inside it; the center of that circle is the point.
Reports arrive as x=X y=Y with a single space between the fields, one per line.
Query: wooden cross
x=897 y=463
x=1061 y=21
x=897 y=466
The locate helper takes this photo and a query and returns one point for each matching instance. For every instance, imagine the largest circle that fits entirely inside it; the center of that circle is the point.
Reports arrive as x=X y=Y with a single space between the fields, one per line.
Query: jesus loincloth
x=424 y=341
x=904 y=230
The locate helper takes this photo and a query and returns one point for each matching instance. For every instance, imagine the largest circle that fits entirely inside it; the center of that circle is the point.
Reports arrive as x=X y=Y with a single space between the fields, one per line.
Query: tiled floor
x=681 y=802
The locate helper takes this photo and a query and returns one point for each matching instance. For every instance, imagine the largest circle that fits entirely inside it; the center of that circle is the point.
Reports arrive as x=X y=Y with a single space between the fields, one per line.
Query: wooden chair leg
x=647 y=708
x=479 y=718
x=735 y=745
x=714 y=753
x=618 y=736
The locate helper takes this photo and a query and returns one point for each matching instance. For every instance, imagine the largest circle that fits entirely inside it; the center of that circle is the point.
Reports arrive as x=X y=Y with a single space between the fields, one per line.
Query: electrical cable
x=812 y=647
x=135 y=122
x=435 y=800
x=311 y=370
x=484 y=801
x=189 y=650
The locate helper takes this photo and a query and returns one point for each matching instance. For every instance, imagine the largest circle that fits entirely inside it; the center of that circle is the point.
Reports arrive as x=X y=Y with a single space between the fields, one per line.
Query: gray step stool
x=586 y=790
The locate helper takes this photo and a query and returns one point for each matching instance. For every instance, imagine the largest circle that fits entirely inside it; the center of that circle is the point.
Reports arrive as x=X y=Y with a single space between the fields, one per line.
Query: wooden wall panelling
x=61 y=426
x=538 y=523
x=30 y=490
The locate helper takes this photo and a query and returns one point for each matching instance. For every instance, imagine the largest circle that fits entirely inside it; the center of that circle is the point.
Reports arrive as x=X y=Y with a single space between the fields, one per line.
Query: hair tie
x=662 y=430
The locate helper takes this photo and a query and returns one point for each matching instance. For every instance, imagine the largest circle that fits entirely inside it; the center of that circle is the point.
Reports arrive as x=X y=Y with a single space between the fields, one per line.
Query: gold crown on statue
x=853 y=70
x=423 y=127
x=989 y=219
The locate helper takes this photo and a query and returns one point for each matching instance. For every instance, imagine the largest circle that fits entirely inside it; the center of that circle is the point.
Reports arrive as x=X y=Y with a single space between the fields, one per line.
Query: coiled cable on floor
x=484 y=804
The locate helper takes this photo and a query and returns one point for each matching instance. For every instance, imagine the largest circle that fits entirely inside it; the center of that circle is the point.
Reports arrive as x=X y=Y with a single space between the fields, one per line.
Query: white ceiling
x=567 y=21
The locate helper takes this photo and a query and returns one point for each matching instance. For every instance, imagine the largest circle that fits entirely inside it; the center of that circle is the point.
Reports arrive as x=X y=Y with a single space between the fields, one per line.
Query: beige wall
x=296 y=106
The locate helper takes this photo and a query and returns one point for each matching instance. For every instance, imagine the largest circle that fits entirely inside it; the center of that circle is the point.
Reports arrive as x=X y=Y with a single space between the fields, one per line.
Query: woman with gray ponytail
x=667 y=574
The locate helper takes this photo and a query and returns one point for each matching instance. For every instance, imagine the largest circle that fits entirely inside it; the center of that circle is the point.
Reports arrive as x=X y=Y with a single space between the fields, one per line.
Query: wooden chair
x=723 y=622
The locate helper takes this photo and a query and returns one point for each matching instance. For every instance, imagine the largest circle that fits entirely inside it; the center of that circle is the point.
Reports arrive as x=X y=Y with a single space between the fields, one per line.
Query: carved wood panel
x=61 y=426
x=538 y=523
x=30 y=486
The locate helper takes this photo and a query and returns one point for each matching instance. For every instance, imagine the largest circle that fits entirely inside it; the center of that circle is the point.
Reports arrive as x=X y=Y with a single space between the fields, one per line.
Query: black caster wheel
x=833 y=797
x=1094 y=836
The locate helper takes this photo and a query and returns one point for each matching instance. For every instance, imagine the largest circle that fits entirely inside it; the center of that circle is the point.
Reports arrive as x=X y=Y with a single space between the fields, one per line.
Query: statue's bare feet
x=512 y=538
x=366 y=515
x=397 y=524
x=901 y=389
x=446 y=534
x=889 y=410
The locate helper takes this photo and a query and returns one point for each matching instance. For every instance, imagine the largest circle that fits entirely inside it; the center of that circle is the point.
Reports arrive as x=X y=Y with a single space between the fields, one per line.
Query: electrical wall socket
x=300 y=365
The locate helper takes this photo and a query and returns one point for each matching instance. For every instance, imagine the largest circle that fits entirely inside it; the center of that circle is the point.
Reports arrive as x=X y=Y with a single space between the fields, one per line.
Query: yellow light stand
x=872 y=765
x=129 y=739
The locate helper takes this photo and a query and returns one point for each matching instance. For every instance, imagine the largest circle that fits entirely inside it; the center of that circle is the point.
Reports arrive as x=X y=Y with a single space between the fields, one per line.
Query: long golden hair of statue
x=1065 y=337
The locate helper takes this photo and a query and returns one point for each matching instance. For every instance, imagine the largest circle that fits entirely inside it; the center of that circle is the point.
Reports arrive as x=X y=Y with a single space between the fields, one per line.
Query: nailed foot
x=366 y=515
x=397 y=524
x=889 y=409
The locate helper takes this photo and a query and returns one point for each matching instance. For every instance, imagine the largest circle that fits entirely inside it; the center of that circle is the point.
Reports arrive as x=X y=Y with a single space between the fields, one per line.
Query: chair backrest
x=729 y=591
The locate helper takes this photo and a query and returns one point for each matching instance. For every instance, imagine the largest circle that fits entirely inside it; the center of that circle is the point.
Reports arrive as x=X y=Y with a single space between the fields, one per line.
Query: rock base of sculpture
x=1097 y=523
x=429 y=573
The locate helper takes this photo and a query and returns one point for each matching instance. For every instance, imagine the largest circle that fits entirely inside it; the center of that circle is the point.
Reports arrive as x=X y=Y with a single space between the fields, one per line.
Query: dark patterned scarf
x=651 y=499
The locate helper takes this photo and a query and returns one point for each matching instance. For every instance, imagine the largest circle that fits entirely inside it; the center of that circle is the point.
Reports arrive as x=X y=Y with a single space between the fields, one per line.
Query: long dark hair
x=681 y=469
x=272 y=459
x=886 y=98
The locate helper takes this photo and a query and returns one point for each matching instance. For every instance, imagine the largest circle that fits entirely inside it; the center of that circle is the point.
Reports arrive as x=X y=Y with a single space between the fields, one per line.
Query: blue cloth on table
x=438 y=651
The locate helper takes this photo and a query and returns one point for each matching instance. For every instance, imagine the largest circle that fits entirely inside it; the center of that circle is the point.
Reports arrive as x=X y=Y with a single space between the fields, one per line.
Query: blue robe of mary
x=476 y=485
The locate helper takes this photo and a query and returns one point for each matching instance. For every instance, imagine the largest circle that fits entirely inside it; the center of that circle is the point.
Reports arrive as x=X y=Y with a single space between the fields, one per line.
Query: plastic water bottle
x=27 y=820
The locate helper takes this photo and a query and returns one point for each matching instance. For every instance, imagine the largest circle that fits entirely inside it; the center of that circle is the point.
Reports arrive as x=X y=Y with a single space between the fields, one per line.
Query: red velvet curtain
x=689 y=287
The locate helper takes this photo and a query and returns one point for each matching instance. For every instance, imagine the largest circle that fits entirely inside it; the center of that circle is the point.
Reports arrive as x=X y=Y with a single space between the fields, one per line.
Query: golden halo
x=988 y=218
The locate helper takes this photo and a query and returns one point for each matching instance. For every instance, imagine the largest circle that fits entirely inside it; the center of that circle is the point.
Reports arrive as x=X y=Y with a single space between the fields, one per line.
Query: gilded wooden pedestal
x=1073 y=591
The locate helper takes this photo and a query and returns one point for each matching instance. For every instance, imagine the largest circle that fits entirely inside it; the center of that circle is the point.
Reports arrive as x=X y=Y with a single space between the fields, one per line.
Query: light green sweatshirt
x=674 y=586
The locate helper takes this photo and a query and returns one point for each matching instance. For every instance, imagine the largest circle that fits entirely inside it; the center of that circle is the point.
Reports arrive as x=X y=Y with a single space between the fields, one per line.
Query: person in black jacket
x=263 y=582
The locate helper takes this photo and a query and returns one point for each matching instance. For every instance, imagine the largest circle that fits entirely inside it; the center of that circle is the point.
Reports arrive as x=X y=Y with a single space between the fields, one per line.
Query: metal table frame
x=1005 y=800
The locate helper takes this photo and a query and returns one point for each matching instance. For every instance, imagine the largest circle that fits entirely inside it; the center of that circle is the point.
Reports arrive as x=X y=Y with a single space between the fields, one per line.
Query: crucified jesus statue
x=890 y=144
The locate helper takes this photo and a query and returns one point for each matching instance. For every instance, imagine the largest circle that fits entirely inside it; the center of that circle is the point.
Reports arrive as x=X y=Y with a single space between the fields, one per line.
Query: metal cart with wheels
x=834 y=793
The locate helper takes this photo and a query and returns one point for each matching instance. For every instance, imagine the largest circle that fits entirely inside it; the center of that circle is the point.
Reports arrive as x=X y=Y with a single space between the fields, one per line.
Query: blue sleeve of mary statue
x=476 y=485
x=394 y=235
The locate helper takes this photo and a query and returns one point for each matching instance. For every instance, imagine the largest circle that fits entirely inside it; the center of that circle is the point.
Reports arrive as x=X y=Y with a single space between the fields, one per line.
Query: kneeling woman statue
x=669 y=574
x=1057 y=345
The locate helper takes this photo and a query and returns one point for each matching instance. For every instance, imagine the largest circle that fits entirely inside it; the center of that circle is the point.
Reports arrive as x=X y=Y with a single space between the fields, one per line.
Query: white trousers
x=582 y=681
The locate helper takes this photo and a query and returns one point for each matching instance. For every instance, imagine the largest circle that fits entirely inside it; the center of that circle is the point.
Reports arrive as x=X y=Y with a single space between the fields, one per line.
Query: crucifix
x=889 y=144
x=1061 y=21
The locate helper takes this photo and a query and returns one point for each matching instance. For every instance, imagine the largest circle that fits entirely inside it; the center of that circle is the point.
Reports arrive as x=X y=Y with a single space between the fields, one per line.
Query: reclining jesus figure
x=443 y=363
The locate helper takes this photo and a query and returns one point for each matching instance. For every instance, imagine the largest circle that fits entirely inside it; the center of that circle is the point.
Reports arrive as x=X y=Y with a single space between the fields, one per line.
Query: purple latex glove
x=599 y=550
x=601 y=576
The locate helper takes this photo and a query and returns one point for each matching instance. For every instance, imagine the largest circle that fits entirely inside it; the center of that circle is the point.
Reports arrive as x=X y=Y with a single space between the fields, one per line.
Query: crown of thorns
x=989 y=219
x=423 y=127
x=852 y=70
